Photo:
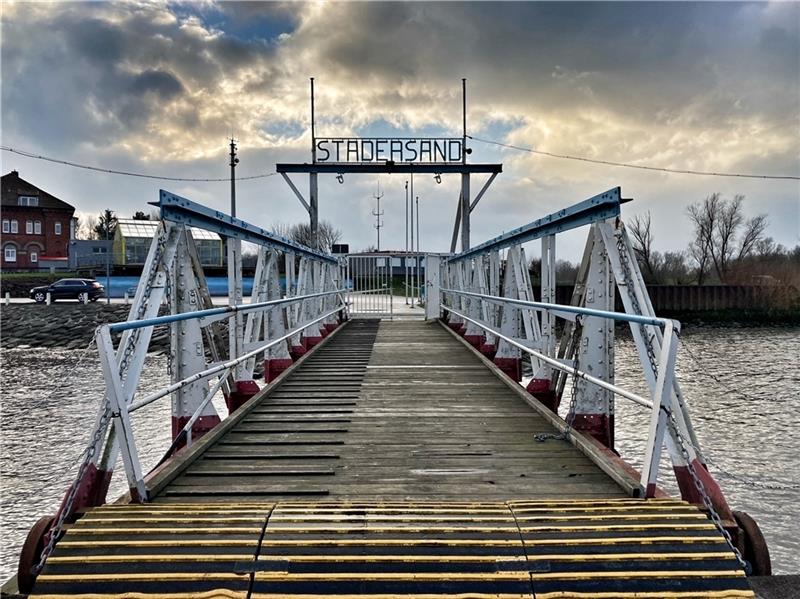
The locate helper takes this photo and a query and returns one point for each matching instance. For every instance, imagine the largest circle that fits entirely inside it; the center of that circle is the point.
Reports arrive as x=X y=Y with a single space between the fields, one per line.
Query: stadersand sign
x=361 y=150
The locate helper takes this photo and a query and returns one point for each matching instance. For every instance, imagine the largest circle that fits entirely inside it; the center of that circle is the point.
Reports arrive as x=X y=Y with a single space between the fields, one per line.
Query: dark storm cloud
x=688 y=85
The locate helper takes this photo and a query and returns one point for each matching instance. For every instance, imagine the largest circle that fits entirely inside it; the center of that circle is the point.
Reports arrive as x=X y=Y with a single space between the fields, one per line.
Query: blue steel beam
x=180 y=210
x=600 y=207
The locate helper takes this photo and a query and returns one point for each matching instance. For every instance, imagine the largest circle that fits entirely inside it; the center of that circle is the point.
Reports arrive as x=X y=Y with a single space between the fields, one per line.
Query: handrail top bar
x=600 y=207
x=651 y=320
x=181 y=210
x=197 y=314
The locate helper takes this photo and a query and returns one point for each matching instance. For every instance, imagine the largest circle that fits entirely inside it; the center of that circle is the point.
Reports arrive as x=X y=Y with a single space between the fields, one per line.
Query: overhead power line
x=126 y=173
x=638 y=166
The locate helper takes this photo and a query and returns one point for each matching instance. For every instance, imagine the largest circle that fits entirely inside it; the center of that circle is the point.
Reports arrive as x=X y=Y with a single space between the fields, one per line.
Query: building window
x=28 y=201
x=37 y=227
x=34 y=257
x=10 y=253
x=6 y=226
x=14 y=226
x=29 y=227
x=58 y=228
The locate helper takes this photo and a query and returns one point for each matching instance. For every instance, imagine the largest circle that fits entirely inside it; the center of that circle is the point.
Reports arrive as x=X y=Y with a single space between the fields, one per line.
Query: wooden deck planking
x=404 y=412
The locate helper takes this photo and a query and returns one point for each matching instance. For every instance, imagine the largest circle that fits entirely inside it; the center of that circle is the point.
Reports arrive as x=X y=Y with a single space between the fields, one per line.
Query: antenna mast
x=378 y=213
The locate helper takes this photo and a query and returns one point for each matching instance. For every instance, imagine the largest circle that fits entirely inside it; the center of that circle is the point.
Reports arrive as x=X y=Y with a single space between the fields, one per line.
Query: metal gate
x=369 y=283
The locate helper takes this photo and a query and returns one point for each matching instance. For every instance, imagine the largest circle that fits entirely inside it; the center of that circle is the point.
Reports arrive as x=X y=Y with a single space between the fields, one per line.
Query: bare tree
x=642 y=235
x=327 y=234
x=86 y=227
x=717 y=224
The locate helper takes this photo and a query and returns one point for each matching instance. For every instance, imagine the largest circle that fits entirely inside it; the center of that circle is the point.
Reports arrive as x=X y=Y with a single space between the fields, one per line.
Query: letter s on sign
x=320 y=148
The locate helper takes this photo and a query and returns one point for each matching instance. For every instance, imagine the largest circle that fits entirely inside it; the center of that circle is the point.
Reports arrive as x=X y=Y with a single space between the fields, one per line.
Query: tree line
x=726 y=248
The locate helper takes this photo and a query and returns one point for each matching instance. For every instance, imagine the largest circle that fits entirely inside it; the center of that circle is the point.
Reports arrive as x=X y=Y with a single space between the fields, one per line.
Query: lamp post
x=405 y=260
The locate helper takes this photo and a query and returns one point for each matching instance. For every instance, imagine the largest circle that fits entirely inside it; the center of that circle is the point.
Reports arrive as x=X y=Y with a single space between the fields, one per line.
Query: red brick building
x=36 y=225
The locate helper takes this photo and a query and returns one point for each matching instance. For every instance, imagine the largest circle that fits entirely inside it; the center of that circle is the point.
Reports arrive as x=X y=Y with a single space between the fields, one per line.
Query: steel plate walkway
x=390 y=462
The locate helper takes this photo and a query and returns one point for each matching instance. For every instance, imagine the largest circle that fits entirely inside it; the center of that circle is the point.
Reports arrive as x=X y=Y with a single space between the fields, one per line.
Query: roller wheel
x=755 y=545
x=31 y=552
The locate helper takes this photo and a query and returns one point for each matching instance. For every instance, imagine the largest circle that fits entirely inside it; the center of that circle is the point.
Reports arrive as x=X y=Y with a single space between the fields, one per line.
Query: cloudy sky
x=159 y=87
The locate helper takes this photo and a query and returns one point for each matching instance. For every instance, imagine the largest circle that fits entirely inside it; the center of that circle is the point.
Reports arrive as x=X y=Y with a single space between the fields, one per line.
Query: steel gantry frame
x=510 y=324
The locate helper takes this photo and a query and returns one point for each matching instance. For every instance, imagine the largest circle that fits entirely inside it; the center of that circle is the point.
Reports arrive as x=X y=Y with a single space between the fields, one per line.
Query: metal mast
x=378 y=213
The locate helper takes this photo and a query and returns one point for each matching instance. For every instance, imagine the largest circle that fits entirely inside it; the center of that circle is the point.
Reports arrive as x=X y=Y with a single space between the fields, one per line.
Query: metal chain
x=168 y=297
x=637 y=308
x=701 y=488
x=573 y=402
x=91 y=449
x=105 y=417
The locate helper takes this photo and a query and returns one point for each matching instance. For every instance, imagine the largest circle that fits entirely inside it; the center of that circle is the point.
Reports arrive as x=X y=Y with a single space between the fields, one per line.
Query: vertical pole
x=465 y=197
x=312 y=179
x=108 y=259
x=412 y=239
x=464 y=115
x=405 y=259
x=419 y=260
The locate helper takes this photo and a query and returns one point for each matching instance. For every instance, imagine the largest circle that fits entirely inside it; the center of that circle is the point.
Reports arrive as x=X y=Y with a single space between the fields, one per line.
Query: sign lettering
x=428 y=150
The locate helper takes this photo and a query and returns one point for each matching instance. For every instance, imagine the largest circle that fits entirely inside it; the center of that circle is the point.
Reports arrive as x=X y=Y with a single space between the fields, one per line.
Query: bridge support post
x=187 y=353
x=473 y=334
x=295 y=285
x=543 y=384
x=594 y=412
x=489 y=347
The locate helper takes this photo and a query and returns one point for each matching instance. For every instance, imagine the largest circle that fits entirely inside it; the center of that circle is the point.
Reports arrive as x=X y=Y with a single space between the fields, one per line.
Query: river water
x=742 y=386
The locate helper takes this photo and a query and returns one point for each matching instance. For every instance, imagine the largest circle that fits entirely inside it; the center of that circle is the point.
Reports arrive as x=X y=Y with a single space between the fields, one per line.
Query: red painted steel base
x=599 y=426
x=690 y=493
x=488 y=349
x=92 y=488
x=475 y=340
x=274 y=366
x=311 y=341
x=31 y=553
x=243 y=391
x=297 y=351
x=201 y=426
x=331 y=326
x=540 y=389
x=511 y=366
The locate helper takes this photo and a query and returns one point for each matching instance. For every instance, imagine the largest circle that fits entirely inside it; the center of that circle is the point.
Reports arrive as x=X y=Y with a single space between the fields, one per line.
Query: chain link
x=65 y=512
x=701 y=489
x=637 y=308
x=573 y=402
x=105 y=417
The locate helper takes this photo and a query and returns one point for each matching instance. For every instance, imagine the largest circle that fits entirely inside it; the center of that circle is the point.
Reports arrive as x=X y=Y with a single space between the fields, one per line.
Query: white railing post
x=120 y=416
x=660 y=411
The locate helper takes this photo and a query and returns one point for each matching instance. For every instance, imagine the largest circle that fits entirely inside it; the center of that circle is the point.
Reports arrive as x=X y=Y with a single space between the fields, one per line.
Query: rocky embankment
x=69 y=325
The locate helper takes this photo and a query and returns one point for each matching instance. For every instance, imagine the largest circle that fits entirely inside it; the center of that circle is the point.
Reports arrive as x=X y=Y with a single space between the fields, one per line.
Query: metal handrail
x=548 y=307
x=209 y=372
x=221 y=311
x=555 y=363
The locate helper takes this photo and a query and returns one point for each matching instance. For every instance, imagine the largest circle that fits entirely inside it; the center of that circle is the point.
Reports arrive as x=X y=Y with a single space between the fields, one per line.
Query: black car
x=69 y=289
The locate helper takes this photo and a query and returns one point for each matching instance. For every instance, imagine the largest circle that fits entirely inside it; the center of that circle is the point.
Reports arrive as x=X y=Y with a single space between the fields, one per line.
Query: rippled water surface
x=746 y=426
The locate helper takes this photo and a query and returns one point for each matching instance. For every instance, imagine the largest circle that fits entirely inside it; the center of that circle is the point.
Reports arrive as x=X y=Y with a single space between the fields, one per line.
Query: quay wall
x=65 y=325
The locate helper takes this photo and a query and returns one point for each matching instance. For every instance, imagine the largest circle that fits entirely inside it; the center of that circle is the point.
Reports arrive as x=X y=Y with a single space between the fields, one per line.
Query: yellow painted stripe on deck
x=188 y=519
x=226 y=594
x=282 y=576
x=66 y=543
x=452 y=518
x=369 y=527
x=566 y=557
x=165 y=557
x=670 y=526
x=85 y=530
x=731 y=594
x=668 y=574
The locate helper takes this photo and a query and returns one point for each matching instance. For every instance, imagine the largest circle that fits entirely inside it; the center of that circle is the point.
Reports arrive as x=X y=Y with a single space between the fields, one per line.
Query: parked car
x=69 y=289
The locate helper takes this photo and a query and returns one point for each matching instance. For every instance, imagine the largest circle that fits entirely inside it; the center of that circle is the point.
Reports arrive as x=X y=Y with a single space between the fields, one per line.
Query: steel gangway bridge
x=384 y=455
